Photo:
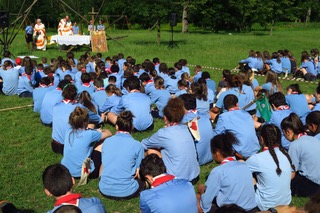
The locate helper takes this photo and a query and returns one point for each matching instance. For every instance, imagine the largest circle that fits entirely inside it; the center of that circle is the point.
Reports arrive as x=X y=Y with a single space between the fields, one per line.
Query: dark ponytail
x=125 y=121
x=314 y=118
x=272 y=137
x=223 y=143
x=294 y=123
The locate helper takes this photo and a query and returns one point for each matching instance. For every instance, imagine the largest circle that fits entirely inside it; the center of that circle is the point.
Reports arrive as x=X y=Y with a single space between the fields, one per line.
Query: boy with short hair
x=136 y=102
x=85 y=86
x=25 y=87
x=39 y=93
x=99 y=96
x=58 y=183
x=197 y=72
x=167 y=194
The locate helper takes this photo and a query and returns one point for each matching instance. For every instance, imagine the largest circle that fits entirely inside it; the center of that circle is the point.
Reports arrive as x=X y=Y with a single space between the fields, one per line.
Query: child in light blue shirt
x=273 y=169
x=228 y=183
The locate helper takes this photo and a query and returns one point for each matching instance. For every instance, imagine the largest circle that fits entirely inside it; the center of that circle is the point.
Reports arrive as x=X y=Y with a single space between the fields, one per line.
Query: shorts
x=29 y=38
x=142 y=186
x=310 y=77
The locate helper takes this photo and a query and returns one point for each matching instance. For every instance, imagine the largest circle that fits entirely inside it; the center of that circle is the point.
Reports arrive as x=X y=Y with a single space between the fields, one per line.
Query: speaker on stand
x=173 y=23
x=4 y=19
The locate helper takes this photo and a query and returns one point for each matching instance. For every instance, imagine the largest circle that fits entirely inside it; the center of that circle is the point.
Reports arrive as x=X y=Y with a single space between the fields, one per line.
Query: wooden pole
x=18 y=107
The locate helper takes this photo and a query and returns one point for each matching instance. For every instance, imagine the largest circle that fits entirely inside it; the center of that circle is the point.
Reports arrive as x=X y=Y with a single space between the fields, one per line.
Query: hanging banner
x=98 y=41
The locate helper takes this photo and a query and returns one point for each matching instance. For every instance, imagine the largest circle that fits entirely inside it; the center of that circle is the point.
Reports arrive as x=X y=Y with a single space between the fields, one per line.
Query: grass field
x=26 y=151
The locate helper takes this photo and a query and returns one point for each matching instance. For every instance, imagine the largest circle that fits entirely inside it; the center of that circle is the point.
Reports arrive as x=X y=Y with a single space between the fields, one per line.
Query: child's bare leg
x=112 y=117
x=153 y=151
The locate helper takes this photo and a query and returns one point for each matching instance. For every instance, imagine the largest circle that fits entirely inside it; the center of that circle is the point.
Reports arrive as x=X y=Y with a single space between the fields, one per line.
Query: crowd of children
x=266 y=153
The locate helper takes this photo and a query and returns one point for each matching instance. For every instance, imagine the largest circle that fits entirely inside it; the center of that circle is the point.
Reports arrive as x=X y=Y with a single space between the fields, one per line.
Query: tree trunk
x=271 y=29
x=158 y=31
x=308 y=15
x=185 y=17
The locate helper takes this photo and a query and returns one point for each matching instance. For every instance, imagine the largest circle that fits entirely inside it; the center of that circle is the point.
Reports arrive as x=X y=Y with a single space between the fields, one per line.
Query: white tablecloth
x=71 y=40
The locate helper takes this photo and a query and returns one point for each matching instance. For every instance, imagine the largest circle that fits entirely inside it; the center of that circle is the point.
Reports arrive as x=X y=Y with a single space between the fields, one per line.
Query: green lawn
x=26 y=150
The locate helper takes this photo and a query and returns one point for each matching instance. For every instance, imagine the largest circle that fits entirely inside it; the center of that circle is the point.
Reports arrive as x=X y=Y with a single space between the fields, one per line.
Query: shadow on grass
x=163 y=43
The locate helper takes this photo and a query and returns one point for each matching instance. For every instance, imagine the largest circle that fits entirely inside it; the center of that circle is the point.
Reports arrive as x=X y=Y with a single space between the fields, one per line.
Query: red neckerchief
x=294 y=92
x=233 y=109
x=67 y=101
x=160 y=179
x=122 y=132
x=99 y=89
x=134 y=90
x=150 y=82
x=71 y=199
x=301 y=134
x=228 y=159
x=86 y=84
x=43 y=85
x=283 y=107
x=58 y=89
x=266 y=148
x=194 y=111
x=27 y=76
x=50 y=75
x=40 y=70
x=171 y=124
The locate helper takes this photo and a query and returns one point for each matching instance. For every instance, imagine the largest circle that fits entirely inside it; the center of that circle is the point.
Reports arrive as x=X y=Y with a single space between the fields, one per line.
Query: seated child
x=25 y=86
x=61 y=113
x=304 y=152
x=159 y=97
x=136 y=102
x=92 y=108
x=58 y=183
x=241 y=124
x=40 y=92
x=223 y=83
x=313 y=123
x=211 y=84
x=184 y=64
x=175 y=143
x=112 y=100
x=297 y=101
x=273 y=169
x=167 y=194
x=197 y=73
x=280 y=110
x=201 y=94
x=171 y=82
x=51 y=98
x=121 y=158
x=210 y=93
x=183 y=86
x=85 y=86
x=9 y=79
x=81 y=143
x=178 y=70
x=115 y=72
x=230 y=182
x=99 y=96
x=275 y=63
x=147 y=83
x=204 y=126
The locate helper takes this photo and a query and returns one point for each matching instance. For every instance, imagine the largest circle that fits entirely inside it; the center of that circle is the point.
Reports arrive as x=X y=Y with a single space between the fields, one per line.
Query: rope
x=18 y=107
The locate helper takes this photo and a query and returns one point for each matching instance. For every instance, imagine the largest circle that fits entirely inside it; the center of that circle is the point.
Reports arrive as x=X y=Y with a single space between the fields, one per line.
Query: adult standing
x=29 y=35
x=75 y=29
x=100 y=26
x=65 y=27
x=40 y=35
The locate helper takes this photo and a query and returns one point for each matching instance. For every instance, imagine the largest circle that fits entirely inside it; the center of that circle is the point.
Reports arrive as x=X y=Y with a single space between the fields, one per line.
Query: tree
x=149 y=12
